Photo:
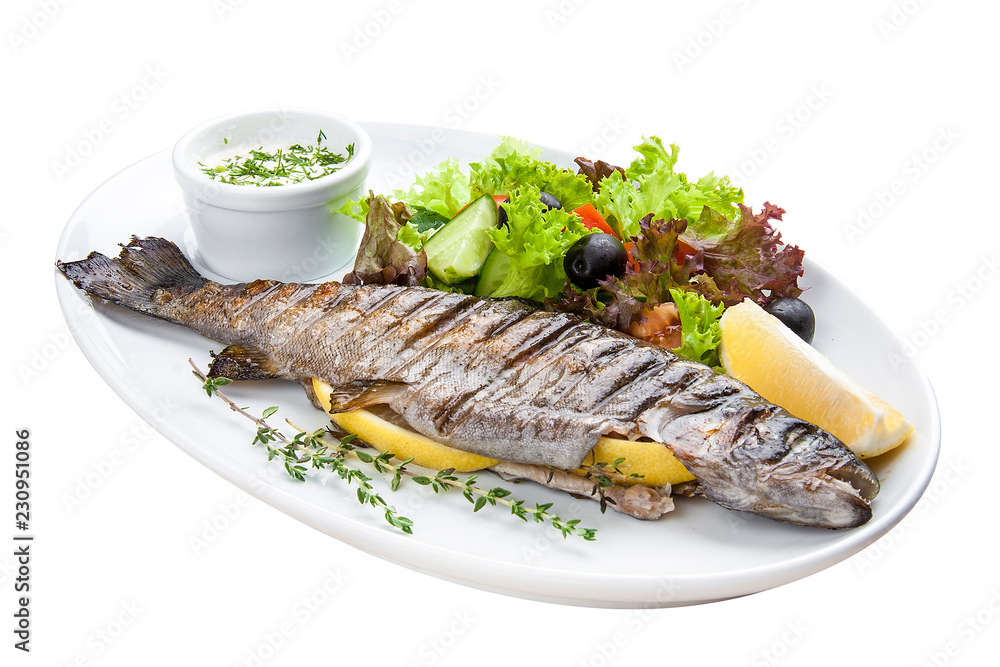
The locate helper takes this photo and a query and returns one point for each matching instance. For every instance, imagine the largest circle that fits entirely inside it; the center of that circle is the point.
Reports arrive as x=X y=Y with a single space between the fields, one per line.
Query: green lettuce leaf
x=701 y=334
x=651 y=185
x=418 y=229
x=652 y=155
x=356 y=209
x=536 y=241
x=444 y=189
x=514 y=163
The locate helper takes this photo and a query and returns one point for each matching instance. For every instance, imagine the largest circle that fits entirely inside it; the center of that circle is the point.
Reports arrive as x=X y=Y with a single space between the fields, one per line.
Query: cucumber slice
x=458 y=250
x=494 y=271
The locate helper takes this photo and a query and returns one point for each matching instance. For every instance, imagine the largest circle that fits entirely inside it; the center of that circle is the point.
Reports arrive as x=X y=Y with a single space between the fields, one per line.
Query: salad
x=642 y=248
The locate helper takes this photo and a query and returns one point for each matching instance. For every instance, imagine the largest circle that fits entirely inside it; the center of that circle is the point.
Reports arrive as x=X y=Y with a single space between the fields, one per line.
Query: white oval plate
x=698 y=553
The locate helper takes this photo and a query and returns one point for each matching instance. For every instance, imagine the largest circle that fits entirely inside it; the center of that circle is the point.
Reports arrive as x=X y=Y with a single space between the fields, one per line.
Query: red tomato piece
x=592 y=219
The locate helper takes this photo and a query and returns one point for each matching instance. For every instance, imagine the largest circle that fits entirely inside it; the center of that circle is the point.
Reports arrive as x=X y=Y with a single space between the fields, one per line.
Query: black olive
x=594 y=257
x=549 y=200
x=794 y=314
x=502 y=214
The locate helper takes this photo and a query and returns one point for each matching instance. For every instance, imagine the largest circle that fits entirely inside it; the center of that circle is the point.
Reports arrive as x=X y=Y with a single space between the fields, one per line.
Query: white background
x=820 y=108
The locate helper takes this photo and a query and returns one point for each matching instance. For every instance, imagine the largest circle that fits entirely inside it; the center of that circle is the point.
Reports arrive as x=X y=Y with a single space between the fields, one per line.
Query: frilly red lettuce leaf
x=667 y=258
x=609 y=304
x=655 y=268
x=381 y=258
x=648 y=279
x=597 y=171
x=748 y=261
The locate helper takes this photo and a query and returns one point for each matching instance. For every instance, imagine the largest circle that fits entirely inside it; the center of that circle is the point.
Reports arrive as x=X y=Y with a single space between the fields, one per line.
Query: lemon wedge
x=651 y=463
x=760 y=351
x=385 y=436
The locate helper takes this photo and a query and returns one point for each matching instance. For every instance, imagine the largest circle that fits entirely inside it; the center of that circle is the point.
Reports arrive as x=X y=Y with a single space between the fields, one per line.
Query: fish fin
x=242 y=362
x=147 y=273
x=364 y=393
x=307 y=385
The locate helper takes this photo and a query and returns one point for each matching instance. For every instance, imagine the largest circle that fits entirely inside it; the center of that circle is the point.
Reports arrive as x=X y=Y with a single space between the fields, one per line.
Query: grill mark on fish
x=427 y=315
x=515 y=374
x=368 y=312
x=575 y=369
x=288 y=297
x=256 y=297
x=537 y=345
x=705 y=393
x=499 y=328
x=533 y=357
x=462 y=405
x=444 y=321
x=554 y=383
x=522 y=375
x=409 y=329
x=322 y=308
x=414 y=312
x=622 y=397
x=510 y=318
x=381 y=339
x=449 y=416
x=433 y=354
x=287 y=315
x=451 y=413
x=276 y=304
x=369 y=301
x=648 y=367
x=676 y=377
x=605 y=350
x=496 y=324
x=325 y=308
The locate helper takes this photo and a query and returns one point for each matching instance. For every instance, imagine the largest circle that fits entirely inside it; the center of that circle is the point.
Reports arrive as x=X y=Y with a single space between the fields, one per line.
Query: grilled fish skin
x=499 y=378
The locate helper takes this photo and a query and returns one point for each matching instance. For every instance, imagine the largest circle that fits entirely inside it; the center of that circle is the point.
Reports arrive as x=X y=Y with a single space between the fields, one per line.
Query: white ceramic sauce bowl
x=286 y=232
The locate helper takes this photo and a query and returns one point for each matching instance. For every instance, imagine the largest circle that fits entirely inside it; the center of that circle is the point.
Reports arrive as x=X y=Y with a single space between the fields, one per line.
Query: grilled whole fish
x=499 y=378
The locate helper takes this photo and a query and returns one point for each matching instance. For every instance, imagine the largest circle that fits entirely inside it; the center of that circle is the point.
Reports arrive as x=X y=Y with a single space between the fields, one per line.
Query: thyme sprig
x=315 y=449
x=308 y=448
x=283 y=166
x=444 y=480
x=606 y=474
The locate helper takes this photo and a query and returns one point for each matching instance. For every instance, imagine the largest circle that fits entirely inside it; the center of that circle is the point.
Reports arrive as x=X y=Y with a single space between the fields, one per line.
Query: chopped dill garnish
x=283 y=166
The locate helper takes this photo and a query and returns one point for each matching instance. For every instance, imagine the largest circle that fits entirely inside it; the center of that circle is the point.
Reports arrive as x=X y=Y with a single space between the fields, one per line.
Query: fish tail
x=139 y=278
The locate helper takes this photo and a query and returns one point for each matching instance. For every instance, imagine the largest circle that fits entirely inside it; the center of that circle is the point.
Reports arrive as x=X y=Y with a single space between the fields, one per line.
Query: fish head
x=753 y=456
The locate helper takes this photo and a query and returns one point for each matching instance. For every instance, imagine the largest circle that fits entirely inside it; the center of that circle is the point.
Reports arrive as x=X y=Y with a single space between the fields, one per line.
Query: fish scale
x=500 y=379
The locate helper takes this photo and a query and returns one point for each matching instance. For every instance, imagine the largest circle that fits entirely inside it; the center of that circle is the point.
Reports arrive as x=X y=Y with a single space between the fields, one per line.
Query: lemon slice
x=385 y=436
x=651 y=462
x=760 y=351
